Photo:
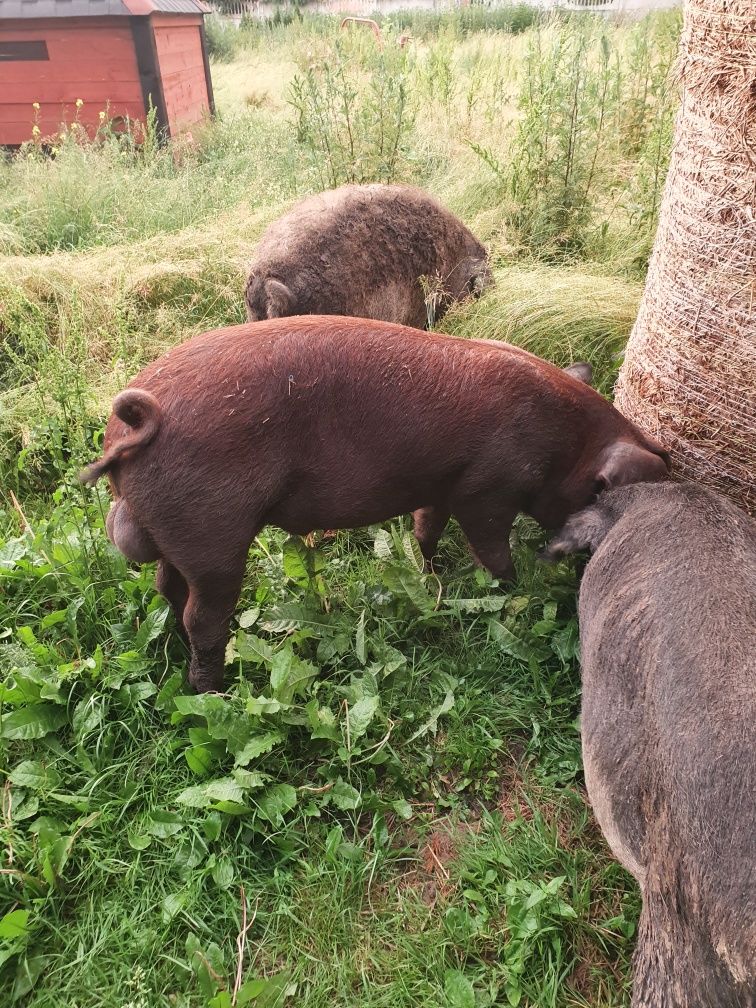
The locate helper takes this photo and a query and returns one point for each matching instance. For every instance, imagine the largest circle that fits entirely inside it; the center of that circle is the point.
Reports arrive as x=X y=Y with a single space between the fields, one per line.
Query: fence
x=235 y=10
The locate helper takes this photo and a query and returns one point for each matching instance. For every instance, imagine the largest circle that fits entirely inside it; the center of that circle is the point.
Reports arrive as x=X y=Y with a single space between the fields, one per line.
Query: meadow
x=385 y=808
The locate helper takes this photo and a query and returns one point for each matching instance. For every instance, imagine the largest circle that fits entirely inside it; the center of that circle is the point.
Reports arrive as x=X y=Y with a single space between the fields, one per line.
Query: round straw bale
x=689 y=375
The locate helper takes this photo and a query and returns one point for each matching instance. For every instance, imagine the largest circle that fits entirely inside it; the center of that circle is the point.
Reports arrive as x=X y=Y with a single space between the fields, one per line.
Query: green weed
x=354 y=116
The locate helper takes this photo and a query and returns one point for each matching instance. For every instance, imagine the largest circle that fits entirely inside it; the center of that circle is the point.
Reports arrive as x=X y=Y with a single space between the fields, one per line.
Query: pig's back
x=317 y=396
x=361 y=249
x=668 y=640
x=346 y=369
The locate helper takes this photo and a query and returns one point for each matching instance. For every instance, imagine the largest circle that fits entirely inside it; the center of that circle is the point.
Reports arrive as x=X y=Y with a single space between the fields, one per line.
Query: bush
x=354 y=117
x=223 y=39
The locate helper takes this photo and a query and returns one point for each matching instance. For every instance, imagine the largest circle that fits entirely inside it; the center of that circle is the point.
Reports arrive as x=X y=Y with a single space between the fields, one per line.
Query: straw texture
x=689 y=375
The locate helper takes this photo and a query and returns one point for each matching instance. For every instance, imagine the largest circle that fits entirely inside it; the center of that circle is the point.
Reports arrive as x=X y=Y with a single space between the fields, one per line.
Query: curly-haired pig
x=668 y=643
x=325 y=422
x=388 y=252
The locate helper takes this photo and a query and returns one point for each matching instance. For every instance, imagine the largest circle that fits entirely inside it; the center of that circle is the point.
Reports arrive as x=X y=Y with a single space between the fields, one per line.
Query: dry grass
x=262 y=77
x=562 y=314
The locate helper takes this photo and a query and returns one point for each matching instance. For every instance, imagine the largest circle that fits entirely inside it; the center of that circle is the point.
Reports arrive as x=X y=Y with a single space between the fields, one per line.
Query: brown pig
x=362 y=250
x=326 y=422
x=668 y=644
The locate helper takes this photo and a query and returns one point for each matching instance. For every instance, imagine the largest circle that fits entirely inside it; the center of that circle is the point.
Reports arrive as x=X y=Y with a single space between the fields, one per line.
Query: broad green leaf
x=252 y=648
x=490 y=603
x=508 y=642
x=273 y=993
x=289 y=675
x=231 y=726
x=411 y=583
x=152 y=626
x=29 y=970
x=224 y=789
x=172 y=904
x=200 y=759
x=292 y=616
x=256 y=746
x=88 y=716
x=194 y=797
x=11 y=552
x=262 y=705
x=360 y=715
x=402 y=808
x=163 y=824
x=250 y=779
x=413 y=553
x=250 y=991
x=281 y=666
x=32 y=722
x=13 y=924
x=133 y=693
x=54 y=858
x=139 y=841
x=224 y=873
x=221 y=1000
x=31 y=774
x=344 y=796
x=167 y=692
x=295 y=560
x=202 y=705
x=26 y=809
x=249 y=617
x=390 y=658
x=458 y=990
x=53 y=618
x=431 y=725
x=275 y=802
x=383 y=545
x=323 y=724
x=211 y=827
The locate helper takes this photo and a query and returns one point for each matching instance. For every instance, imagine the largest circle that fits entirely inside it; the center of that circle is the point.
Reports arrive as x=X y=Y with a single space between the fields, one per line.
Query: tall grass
x=595 y=110
x=353 y=113
x=112 y=191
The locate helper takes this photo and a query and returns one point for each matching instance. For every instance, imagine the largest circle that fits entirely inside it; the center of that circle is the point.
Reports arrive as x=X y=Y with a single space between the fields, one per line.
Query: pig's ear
x=585 y=530
x=279 y=299
x=629 y=463
x=581 y=370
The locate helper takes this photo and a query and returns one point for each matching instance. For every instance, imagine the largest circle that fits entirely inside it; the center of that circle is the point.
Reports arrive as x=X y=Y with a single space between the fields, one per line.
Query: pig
x=429 y=522
x=668 y=640
x=319 y=422
x=362 y=250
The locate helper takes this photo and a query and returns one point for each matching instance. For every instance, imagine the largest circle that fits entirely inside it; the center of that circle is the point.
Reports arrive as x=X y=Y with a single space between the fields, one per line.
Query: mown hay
x=689 y=375
x=561 y=314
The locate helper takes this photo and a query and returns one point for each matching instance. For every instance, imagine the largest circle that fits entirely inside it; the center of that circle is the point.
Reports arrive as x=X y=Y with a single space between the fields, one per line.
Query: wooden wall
x=182 y=69
x=94 y=61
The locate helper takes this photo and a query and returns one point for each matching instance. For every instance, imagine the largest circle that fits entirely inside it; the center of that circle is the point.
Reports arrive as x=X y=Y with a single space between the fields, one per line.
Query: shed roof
x=22 y=9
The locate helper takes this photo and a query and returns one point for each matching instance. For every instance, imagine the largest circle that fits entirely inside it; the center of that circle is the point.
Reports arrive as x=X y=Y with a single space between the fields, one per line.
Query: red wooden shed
x=114 y=55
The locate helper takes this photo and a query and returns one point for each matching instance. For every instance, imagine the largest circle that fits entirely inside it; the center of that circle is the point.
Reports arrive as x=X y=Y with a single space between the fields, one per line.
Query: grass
x=390 y=791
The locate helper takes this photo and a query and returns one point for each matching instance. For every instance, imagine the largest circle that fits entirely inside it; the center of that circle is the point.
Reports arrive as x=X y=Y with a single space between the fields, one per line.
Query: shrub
x=354 y=118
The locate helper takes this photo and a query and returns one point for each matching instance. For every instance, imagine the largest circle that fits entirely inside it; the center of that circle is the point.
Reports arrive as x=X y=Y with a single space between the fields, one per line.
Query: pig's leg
x=209 y=608
x=487 y=529
x=429 y=524
x=172 y=585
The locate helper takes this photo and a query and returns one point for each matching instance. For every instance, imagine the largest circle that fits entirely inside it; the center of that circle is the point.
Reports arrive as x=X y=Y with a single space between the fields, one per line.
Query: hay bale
x=689 y=375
